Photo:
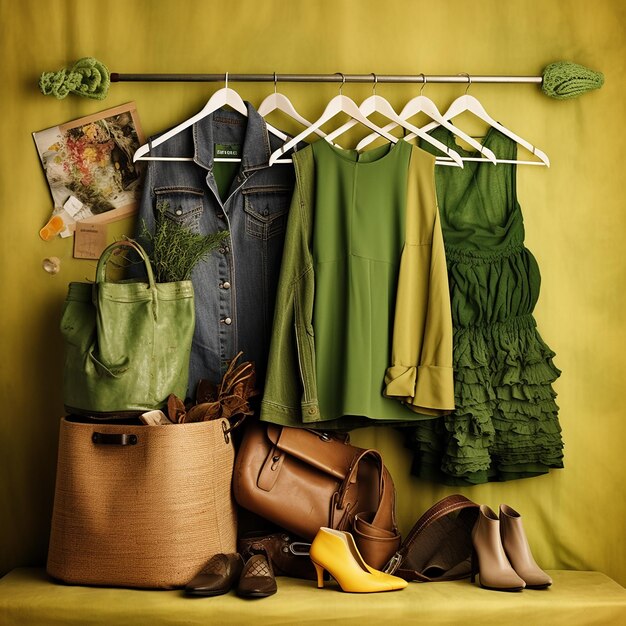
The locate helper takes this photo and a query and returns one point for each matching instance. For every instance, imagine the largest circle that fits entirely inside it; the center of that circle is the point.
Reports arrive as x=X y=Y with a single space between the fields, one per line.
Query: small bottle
x=54 y=226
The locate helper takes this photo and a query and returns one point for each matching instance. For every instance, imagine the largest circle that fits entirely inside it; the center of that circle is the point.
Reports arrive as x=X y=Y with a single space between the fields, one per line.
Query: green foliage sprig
x=174 y=249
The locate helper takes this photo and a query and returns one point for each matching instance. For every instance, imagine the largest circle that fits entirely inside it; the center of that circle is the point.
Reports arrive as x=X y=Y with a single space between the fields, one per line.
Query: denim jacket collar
x=256 y=146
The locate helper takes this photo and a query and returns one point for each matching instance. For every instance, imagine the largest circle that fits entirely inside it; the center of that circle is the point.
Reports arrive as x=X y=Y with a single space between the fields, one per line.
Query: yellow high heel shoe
x=336 y=552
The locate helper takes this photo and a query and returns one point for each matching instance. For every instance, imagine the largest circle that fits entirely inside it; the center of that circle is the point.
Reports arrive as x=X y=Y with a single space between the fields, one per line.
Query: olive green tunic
x=363 y=328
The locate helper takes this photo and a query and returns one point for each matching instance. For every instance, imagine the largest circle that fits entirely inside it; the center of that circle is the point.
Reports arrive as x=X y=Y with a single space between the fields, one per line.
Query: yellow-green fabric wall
x=575 y=213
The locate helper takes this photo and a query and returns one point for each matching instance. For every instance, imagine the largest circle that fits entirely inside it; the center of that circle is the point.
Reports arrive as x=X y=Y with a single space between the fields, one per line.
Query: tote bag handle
x=101 y=270
x=124 y=243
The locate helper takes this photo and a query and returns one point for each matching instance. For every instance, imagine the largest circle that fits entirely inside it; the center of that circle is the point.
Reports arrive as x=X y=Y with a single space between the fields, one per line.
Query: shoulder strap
x=375 y=532
x=447 y=505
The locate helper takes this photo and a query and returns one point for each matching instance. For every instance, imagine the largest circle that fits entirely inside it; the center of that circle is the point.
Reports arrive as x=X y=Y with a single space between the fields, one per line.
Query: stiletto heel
x=320 y=575
x=494 y=570
x=518 y=550
x=335 y=551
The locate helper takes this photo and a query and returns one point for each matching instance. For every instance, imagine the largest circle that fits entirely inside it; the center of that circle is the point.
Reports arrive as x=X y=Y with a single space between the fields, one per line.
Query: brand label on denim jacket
x=230 y=150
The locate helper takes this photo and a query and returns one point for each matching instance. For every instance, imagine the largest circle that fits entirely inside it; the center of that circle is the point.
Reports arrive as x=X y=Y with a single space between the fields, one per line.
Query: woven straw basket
x=141 y=506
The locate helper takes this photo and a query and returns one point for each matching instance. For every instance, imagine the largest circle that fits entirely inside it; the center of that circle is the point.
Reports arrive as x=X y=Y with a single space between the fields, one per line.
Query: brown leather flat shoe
x=217 y=577
x=257 y=579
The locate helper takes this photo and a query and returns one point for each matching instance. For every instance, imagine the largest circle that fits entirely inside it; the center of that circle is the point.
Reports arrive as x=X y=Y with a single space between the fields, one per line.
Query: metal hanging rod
x=321 y=78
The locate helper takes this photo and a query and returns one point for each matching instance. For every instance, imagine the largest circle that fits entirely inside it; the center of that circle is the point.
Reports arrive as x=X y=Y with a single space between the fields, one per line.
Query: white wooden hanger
x=222 y=97
x=469 y=103
x=422 y=104
x=366 y=107
x=378 y=104
x=339 y=104
x=279 y=102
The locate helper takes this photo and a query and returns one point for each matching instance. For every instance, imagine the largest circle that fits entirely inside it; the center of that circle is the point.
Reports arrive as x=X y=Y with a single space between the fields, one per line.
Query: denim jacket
x=235 y=286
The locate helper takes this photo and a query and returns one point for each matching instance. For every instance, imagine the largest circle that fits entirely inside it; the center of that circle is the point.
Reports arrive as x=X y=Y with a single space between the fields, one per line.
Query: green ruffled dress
x=505 y=425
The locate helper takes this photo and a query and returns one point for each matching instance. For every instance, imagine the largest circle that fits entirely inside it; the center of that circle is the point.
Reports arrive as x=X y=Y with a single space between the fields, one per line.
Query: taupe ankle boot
x=518 y=551
x=493 y=566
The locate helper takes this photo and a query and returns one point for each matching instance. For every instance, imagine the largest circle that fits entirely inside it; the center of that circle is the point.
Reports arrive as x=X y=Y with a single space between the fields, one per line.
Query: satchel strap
x=351 y=476
x=447 y=505
x=375 y=532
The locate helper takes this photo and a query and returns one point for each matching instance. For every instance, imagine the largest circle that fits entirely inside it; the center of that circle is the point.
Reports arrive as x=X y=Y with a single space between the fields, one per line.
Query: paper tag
x=228 y=150
x=73 y=205
x=89 y=240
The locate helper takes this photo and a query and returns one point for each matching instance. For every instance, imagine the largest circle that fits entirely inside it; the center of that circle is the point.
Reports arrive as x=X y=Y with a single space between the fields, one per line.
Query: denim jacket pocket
x=266 y=210
x=182 y=205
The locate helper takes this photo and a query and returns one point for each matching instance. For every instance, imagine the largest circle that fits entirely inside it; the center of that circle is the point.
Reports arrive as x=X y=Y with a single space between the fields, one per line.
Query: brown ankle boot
x=493 y=566
x=518 y=551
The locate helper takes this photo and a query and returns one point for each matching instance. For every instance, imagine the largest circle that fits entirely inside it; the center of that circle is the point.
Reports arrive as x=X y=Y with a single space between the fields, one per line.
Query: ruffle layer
x=505 y=425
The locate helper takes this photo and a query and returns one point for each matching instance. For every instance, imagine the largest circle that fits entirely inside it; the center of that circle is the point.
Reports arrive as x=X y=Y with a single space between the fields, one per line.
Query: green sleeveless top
x=505 y=424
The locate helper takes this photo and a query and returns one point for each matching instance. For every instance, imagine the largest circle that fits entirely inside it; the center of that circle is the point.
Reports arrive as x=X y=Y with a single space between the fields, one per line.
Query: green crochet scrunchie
x=564 y=79
x=88 y=77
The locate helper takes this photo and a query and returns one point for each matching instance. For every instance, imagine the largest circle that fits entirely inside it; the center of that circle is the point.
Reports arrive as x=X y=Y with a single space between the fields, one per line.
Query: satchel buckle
x=299 y=548
x=393 y=563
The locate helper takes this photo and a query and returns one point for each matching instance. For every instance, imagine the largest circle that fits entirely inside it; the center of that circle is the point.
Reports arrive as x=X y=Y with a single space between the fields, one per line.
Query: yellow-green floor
x=28 y=597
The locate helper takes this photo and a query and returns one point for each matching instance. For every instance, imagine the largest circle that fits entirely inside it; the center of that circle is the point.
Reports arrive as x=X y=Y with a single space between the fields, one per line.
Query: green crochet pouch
x=564 y=79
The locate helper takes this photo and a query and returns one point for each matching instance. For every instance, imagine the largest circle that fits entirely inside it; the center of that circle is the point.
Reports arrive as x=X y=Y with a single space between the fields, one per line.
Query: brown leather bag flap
x=320 y=450
x=439 y=546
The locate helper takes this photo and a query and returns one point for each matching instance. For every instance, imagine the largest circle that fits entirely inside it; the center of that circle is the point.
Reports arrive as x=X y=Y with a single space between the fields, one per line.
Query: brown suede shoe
x=217 y=577
x=257 y=579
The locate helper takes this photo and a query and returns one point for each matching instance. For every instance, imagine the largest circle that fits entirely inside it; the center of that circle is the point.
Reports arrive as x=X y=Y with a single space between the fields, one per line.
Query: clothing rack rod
x=321 y=78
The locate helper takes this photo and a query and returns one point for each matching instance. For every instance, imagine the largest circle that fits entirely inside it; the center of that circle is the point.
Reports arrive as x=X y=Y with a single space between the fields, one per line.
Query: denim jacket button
x=225 y=285
x=179 y=212
x=227 y=321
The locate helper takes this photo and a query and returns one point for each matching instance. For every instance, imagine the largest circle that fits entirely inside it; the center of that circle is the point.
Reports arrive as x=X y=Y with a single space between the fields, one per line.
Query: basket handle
x=114 y=439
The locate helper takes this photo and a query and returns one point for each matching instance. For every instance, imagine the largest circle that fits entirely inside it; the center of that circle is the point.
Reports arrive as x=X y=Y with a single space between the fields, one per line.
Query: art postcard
x=89 y=162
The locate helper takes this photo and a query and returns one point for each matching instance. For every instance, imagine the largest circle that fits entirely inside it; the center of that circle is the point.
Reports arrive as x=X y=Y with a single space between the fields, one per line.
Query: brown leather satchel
x=302 y=480
x=439 y=546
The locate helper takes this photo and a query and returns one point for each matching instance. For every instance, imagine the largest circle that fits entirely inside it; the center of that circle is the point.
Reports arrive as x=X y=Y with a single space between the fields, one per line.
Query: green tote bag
x=127 y=343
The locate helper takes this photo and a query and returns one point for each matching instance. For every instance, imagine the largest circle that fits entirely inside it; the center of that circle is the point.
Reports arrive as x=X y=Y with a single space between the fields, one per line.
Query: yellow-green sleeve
x=421 y=374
